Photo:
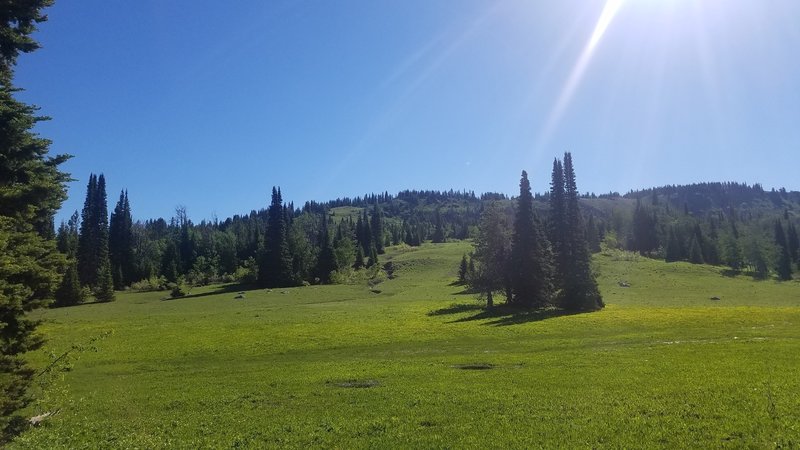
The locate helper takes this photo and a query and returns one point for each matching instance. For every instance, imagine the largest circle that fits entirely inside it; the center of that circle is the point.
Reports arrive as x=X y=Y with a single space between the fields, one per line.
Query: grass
x=421 y=365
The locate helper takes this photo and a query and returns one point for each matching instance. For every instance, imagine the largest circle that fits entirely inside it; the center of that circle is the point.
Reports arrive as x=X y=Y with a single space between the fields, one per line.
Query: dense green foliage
x=31 y=191
x=534 y=268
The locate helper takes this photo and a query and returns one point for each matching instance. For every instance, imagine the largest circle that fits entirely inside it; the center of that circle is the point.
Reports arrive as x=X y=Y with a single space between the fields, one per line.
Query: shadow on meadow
x=500 y=315
x=226 y=289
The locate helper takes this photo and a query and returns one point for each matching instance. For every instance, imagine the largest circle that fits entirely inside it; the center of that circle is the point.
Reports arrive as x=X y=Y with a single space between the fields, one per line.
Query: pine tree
x=87 y=240
x=784 y=263
x=579 y=291
x=793 y=243
x=359 y=262
x=673 y=250
x=378 y=229
x=490 y=261
x=275 y=269
x=558 y=220
x=93 y=238
x=438 y=234
x=104 y=291
x=462 y=270
x=695 y=252
x=326 y=261
x=69 y=292
x=120 y=242
x=531 y=269
x=645 y=224
x=32 y=189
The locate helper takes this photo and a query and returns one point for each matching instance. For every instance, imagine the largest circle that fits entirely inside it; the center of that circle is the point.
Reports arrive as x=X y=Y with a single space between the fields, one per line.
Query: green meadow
x=415 y=362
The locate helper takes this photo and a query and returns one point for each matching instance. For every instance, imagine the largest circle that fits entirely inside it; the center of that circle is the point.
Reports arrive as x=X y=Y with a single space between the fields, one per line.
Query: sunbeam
x=579 y=69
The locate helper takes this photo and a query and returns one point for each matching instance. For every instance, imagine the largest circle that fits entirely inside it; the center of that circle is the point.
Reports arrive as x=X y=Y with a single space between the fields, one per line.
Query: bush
x=247 y=273
x=177 y=290
x=150 y=284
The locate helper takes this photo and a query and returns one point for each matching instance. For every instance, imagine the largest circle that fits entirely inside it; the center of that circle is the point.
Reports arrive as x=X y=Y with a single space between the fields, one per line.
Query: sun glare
x=579 y=69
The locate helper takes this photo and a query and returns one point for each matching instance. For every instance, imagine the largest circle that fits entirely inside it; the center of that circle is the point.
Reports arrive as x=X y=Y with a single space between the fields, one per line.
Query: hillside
x=416 y=363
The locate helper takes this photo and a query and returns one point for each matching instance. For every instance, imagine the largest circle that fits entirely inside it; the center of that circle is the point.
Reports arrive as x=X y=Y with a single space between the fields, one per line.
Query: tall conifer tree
x=120 y=242
x=531 y=271
x=579 y=287
x=32 y=189
x=275 y=269
x=557 y=229
x=784 y=263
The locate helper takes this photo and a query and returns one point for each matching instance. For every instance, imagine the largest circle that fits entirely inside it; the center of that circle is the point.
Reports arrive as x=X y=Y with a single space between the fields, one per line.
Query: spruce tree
x=378 y=229
x=695 y=252
x=793 y=243
x=69 y=293
x=531 y=268
x=120 y=242
x=359 y=262
x=87 y=240
x=275 y=269
x=32 y=189
x=579 y=287
x=104 y=291
x=673 y=249
x=326 y=261
x=438 y=234
x=462 y=270
x=784 y=263
x=489 y=264
x=558 y=222
x=93 y=238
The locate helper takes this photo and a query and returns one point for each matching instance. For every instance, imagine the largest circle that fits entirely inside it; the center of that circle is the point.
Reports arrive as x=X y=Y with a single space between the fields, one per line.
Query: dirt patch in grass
x=474 y=366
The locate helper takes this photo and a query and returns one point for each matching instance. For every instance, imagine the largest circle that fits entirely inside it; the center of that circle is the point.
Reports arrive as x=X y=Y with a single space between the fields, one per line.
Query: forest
x=736 y=225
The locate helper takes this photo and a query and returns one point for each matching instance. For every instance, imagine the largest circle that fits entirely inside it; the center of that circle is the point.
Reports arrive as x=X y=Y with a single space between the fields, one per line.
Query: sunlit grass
x=420 y=365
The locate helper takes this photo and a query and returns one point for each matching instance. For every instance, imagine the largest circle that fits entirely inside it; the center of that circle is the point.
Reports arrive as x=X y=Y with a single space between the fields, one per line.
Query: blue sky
x=209 y=104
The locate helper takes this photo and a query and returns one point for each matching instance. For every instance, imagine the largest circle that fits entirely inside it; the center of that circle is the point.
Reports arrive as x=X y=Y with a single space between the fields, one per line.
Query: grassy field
x=420 y=365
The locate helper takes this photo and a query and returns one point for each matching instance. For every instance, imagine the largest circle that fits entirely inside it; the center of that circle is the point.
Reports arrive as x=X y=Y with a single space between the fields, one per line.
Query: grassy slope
x=662 y=365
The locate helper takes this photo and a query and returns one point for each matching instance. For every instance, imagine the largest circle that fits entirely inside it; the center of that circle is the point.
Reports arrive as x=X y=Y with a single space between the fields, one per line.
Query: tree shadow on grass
x=456 y=308
x=501 y=315
x=225 y=289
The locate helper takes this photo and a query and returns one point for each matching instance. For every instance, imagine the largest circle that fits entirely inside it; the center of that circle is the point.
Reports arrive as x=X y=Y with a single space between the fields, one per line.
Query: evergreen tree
x=69 y=292
x=438 y=235
x=732 y=252
x=645 y=234
x=673 y=250
x=359 y=262
x=170 y=261
x=120 y=242
x=579 y=287
x=104 y=291
x=275 y=269
x=93 y=238
x=326 y=261
x=87 y=240
x=490 y=264
x=67 y=236
x=378 y=228
x=531 y=270
x=592 y=235
x=793 y=243
x=784 y=263
x=32 y=189
x=558 y=222
x=462 y=270
x=695 y=252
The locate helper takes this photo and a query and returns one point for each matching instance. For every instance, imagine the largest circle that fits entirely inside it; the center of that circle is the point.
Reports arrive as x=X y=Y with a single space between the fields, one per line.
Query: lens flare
x=579 y=69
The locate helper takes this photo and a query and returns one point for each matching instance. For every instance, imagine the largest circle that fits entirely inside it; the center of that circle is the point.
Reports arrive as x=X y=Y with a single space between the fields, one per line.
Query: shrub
x=150 y=284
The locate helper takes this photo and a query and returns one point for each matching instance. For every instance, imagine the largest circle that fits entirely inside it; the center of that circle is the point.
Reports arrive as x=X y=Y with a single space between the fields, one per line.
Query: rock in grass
x=239 y=296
